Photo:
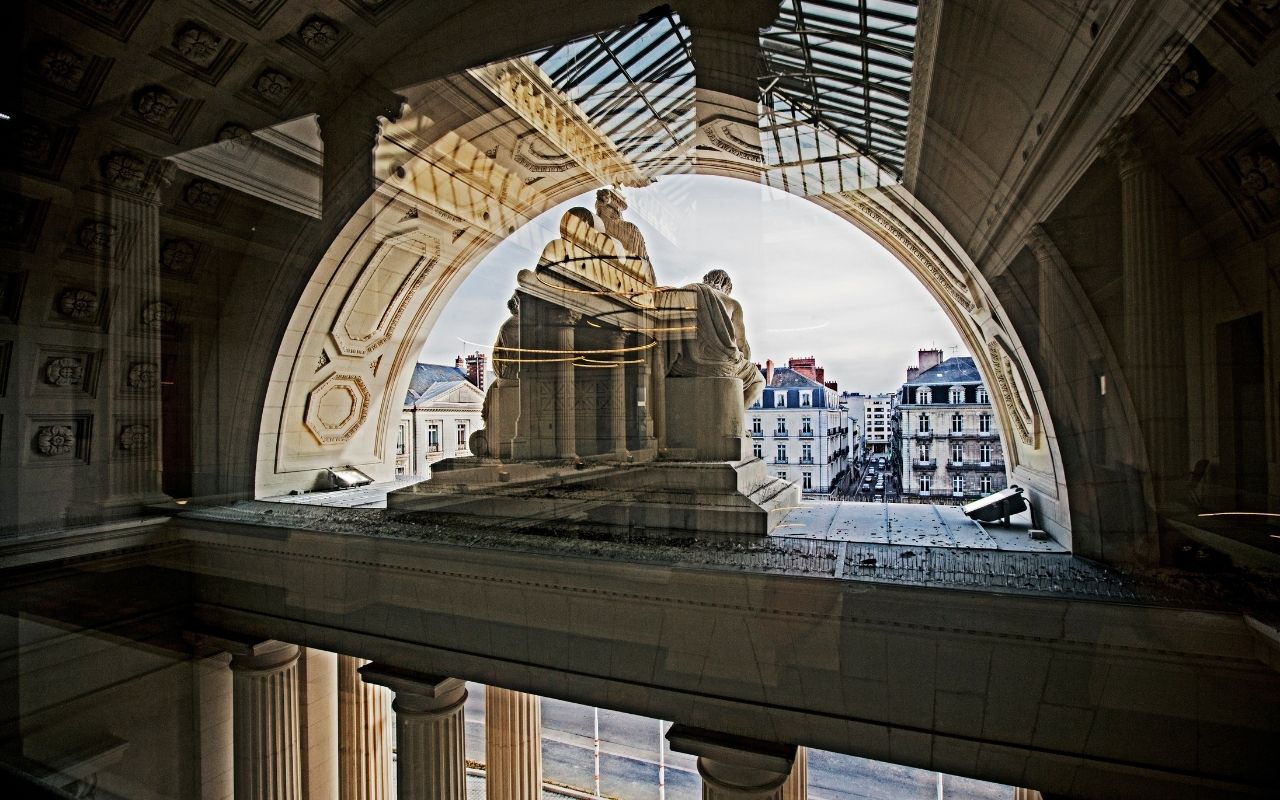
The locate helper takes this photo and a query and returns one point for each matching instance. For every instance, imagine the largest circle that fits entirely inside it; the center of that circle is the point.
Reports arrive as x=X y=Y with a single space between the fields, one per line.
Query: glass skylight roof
x=837 y=80
x=834 y=92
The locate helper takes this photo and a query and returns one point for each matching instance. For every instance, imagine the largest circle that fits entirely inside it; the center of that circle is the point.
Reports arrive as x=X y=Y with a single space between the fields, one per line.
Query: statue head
x=610 y=204
x=513 y=304
x=718 y=279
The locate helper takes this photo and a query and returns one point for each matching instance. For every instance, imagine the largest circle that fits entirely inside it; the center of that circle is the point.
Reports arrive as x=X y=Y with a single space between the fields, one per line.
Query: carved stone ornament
x=62 y=67
x=134 y=438
x=273 y=86
x=64 y=371
x=142 y=375
x=124 y=171
x=107 y=8
x=156 y=106
x=95 y=236
x=35 y=142
x=319 y=35
x=1259 y=171
x=158 y=315
x=78 y=304
x=203 y=195
x=55 y=440
x=177 y=255
x=198 y=45
x=231 y=132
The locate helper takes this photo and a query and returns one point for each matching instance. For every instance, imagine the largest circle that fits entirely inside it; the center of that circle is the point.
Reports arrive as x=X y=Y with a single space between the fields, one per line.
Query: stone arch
x=445 y=194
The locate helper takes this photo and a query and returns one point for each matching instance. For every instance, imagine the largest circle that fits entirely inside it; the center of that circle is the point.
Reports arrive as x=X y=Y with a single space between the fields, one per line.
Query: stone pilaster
x=1049 y=304
x=512 y=745
x=1154 y=347
x=264 y=690
x=364 y=741
x=736 y=767
x=350 y=133
x=430 y=732
x=618 y=398
x=566 y=431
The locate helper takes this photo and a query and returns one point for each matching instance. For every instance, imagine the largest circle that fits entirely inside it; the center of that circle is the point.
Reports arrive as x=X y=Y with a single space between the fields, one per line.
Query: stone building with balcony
x=441 y=410
x=948 y=441
x=798 y=428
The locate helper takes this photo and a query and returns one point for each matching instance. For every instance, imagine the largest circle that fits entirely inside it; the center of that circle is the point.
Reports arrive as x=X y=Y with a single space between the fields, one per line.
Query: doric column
x=796 y=786
x=512 y=745
x=1154 y=347
x=735 y=767
x=364 y=746
x=430 y=732
x=566 y=421
x=618 y=398
x=264 y=690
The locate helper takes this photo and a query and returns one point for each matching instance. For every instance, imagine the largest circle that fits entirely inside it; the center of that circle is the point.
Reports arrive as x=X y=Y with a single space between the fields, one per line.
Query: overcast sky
x=809 y=282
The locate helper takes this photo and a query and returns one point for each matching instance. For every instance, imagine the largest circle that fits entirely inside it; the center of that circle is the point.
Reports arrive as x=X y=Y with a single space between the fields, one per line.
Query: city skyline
x=865 y=338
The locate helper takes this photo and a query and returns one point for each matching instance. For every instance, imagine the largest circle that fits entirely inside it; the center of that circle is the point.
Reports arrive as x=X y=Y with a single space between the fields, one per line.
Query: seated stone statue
x=609 y=207
x=714 y=342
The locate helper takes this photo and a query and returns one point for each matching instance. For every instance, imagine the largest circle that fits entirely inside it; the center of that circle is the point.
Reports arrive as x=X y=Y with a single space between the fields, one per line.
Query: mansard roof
x=430 y=380
x=787 y=378
x=958 y=369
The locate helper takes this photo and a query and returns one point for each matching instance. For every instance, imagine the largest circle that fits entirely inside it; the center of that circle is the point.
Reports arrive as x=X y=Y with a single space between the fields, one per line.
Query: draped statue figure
x=706 y=337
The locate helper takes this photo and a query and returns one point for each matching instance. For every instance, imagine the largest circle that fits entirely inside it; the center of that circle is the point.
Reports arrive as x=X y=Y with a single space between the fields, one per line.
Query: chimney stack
x=928 y=359
x=768 y=372
x=458 y=363
x=912 y=372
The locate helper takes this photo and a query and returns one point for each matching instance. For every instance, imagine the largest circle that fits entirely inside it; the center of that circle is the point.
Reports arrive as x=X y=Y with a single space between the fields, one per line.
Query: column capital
x=731 y=749
x=1041 y=244
x=416 y=692
x=1124 y=146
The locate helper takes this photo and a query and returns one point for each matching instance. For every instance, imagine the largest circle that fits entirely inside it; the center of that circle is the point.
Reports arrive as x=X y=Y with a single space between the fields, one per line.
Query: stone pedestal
x=512 y=745
x=796 y=787
x=502 y=412
x=364 y=746
x=430 y=732
x=704 y=419
x=264 y=690
x=735 y=767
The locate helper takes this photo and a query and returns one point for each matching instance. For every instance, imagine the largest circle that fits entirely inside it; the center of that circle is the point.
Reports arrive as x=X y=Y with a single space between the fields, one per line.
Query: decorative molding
x=272 y=88
x=158 y=317
x=116 y=18
x=178 y=256
x=11 y=286
x=142 y=376
x=336 y=408
x=537 y=155
x=65 y=371
x=57 y=440
x=67 y=73
x=134 y=438
x=524 y=88
x=43 y=147
x=21 y=220
x=254 y=12
x=919 y=253
x=374 y=11
x=132 y=173
x=402 y=261
x=317 y=38
x=6 y=356
x=161 y=112
x=203 y=197
x=1016 y=408
x=1245 y=165
x=200 y=51
x=77 y=305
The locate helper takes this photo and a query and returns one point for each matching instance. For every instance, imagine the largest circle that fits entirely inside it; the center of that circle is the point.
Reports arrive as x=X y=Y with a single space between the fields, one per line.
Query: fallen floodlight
x=997 y=507
x=348 y=478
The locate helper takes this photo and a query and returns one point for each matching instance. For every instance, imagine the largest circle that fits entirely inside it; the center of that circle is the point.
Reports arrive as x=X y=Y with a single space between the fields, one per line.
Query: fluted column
x=364 y=746
x=566 y=420
x=796 y=786
x=264 y=690
x=1050 y=307
x=512 y=745
x=430 y=732
x=1154 y=347
x=737 y=767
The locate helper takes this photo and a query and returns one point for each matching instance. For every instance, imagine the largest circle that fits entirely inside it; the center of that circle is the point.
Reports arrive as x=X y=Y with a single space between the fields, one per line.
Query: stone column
x=350 y=133
x=566 y=419
x=364 y=746
x=736 y=767
x=1154 y=346
x=1050 y=306
x=430 y=732
x=796 y=786
x=1025 y=794
x=264 y=691
x=512 y=745
x=618 y=398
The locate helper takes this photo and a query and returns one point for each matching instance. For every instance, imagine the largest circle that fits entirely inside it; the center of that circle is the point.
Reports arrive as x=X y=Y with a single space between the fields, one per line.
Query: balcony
x=959 y=464
x=782 y=460
x=781 y=433
x=986 y=434
x=922 y=463
x=806 y=459
x=806 y=433
x=756 y=434
x=925 y=435
x=985 y=466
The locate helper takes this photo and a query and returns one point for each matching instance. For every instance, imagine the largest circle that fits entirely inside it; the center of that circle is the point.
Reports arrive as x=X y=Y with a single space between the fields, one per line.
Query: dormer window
x=779 y=399
x=982 y=395
x=924 y=396
x=957 y=395
x=806 y=398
